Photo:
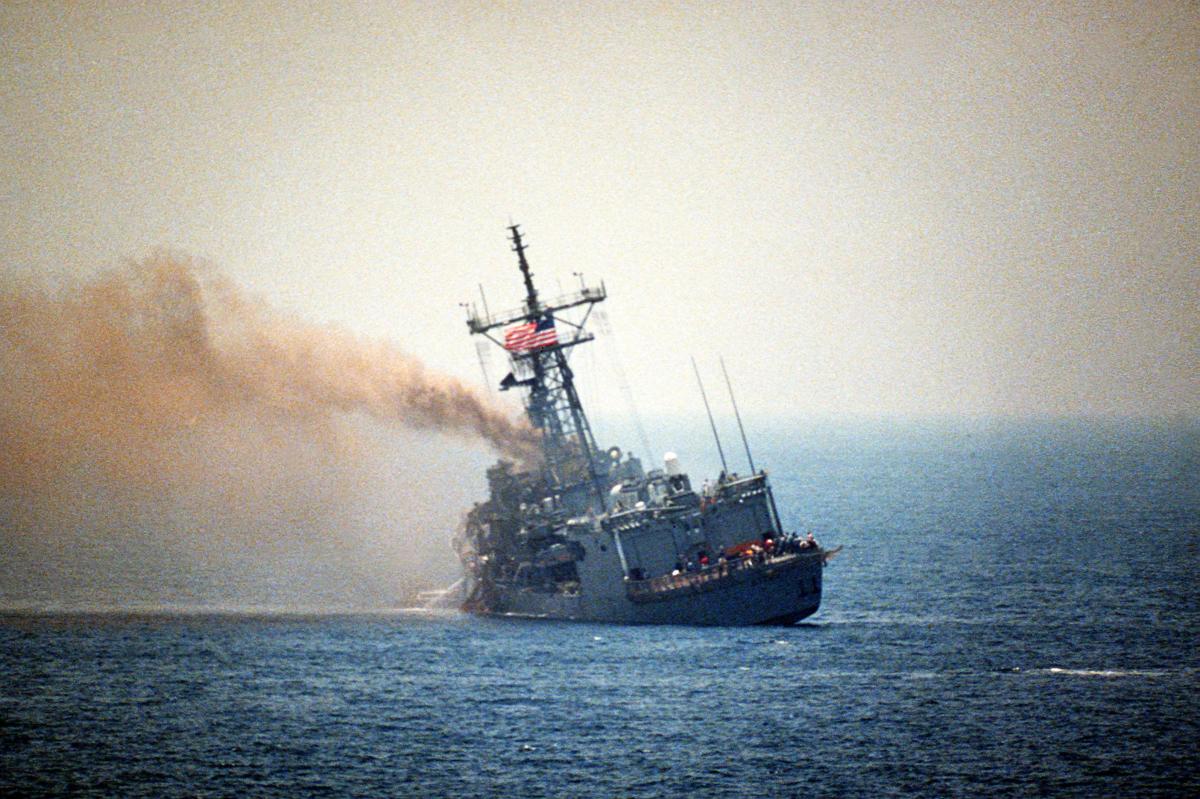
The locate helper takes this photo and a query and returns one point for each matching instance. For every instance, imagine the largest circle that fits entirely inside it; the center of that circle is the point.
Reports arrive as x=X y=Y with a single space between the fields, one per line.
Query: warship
x=589 y=534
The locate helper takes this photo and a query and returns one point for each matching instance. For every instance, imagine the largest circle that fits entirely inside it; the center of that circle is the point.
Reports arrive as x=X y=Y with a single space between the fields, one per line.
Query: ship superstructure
x=589 y=534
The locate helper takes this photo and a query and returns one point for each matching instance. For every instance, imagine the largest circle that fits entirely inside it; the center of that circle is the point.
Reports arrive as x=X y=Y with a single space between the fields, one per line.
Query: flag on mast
x=531 y=335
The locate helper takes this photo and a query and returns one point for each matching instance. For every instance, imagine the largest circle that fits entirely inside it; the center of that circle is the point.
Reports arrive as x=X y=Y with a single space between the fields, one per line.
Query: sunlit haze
x=865 y=208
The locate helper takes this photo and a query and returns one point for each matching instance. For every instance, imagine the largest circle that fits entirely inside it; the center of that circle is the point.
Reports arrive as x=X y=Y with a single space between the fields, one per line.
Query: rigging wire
x=602 y=324
x=484 y=351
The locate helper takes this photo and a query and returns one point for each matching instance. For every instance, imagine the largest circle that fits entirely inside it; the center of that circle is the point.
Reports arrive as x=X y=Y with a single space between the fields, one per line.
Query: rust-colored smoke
x=112 y=371
x=159 y=428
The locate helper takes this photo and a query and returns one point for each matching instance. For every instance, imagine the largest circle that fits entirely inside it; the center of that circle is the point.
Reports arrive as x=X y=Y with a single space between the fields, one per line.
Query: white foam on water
x=1110 y=673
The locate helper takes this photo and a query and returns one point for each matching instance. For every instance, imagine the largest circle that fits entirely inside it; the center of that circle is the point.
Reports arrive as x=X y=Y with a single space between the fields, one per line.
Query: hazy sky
x=865 y=207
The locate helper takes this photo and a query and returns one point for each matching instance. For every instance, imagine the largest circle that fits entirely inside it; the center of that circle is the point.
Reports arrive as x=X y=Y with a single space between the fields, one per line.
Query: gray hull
x=582 y=533
x=780 y=592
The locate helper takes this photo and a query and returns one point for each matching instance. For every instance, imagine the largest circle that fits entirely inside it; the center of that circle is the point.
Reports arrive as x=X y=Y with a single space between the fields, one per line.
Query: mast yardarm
x=538 y=338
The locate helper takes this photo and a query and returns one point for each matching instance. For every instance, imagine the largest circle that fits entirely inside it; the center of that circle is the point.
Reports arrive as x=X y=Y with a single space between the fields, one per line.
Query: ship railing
x=697 y=580
x=736 y=485
x=481 y=323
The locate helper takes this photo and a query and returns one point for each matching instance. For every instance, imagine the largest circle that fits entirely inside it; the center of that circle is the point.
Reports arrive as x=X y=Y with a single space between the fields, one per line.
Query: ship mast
x=572 y=461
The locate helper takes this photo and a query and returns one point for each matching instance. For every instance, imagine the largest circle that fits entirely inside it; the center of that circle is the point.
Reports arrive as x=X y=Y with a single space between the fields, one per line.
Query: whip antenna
x=741 y=429
x=711 y=423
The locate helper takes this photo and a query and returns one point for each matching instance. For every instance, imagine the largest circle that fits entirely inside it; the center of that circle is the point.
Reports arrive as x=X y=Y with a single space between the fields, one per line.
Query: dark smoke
x=166 y=438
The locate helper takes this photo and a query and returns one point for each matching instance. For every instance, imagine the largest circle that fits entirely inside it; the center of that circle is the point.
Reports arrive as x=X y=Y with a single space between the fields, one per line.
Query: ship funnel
x=671 y=464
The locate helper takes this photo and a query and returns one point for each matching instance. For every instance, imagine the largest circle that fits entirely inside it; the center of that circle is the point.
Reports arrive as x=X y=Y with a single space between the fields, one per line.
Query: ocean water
x=1016 y=613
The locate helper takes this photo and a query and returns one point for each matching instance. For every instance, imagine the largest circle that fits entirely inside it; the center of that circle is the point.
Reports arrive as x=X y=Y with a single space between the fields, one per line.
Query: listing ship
x=588 y=534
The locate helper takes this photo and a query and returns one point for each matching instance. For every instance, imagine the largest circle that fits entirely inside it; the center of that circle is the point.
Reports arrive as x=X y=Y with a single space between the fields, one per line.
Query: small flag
x=531 y=335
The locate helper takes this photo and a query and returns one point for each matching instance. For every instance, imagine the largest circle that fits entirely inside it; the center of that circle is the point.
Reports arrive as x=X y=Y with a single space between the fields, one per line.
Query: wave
x=1107 y=673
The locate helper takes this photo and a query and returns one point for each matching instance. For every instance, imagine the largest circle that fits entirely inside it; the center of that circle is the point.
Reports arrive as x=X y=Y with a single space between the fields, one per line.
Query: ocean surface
x=1016 y=613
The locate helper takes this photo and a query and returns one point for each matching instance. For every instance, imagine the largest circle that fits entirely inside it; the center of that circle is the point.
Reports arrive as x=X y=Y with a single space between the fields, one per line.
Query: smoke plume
x=156 y=415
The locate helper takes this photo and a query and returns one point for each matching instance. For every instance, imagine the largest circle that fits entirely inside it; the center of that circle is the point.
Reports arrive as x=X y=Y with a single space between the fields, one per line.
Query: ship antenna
x=741 y=429
x=519 y=248
x=483 y=297
x=540 y=366
x=711 y=423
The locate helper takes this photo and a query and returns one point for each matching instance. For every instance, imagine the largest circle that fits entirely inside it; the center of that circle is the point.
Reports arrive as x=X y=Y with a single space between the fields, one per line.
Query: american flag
x=531 y=335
